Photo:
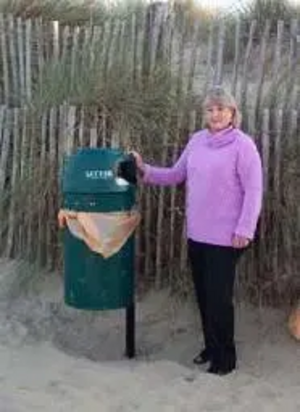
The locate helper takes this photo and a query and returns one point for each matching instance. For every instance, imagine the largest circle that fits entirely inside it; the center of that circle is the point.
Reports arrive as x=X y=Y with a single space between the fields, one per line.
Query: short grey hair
x=217 y=95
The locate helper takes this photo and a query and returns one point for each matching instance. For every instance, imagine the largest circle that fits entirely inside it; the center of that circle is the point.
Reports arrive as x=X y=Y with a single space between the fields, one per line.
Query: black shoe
x=202 y=357
x=226 y=371
x=228 y=367
x=221 y=371
x=213 y=369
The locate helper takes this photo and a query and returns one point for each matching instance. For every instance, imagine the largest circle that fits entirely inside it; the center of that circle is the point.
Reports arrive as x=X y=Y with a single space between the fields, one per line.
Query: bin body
x=89 y=184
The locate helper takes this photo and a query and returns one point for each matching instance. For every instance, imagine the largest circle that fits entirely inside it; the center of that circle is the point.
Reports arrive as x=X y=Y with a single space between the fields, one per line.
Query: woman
x=223 y=174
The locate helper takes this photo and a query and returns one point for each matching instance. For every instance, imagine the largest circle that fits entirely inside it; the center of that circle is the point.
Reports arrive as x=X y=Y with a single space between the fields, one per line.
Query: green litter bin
x=90 y=184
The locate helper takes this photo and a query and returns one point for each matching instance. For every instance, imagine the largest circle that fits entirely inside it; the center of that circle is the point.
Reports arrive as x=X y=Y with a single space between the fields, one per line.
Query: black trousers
x=213 y=270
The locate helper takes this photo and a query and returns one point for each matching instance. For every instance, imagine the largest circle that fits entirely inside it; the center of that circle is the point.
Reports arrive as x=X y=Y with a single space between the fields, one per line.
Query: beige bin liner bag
x=103 y=233
x=294 y=322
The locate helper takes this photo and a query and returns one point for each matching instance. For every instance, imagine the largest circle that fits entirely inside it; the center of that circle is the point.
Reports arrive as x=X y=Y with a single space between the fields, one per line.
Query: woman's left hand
x=239 y=242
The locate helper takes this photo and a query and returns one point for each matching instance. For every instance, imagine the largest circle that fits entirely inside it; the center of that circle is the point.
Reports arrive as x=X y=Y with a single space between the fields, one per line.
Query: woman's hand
x=139 y=161
x=240 y=242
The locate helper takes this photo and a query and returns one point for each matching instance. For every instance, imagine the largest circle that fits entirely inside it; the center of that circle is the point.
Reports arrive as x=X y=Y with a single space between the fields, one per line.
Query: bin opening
x=103 y=233
x=127 y=169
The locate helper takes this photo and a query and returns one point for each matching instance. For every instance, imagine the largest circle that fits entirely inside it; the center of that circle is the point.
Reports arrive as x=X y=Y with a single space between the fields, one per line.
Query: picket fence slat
x=28 y=57
x=5 y=68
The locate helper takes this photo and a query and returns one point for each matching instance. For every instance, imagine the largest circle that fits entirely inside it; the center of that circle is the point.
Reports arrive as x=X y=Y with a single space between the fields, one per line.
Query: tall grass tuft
x=271 y=10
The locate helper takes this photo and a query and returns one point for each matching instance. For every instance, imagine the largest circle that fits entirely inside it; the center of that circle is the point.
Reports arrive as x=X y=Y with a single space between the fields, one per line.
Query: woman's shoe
x=213 y=369
x=221 y=371
x=202 y=357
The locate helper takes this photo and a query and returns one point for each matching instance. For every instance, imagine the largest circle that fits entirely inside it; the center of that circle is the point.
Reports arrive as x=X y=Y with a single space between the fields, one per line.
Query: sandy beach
x=54 y=358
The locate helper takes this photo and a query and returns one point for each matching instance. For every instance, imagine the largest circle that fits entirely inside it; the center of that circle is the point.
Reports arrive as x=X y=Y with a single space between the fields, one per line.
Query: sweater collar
x=221 y=138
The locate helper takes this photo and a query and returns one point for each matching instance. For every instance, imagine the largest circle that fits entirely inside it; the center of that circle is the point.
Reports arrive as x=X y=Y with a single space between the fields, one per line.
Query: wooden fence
x=258 y=65
x=253 y=61
x=30 y=161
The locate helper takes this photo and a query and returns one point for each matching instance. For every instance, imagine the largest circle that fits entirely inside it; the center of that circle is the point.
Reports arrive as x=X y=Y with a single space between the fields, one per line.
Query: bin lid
x=93 y=170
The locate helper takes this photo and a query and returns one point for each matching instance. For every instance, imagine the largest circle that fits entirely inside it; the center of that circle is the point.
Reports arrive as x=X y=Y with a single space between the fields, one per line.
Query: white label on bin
x=99 y=174
x=121 y=182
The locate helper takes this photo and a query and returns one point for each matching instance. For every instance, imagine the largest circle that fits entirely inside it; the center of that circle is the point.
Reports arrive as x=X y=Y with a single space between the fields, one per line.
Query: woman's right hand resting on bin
x=139 y=162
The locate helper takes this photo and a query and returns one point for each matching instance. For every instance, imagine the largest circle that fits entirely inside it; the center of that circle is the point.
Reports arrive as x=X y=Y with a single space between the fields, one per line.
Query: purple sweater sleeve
x=250 y=173
x=164 y=176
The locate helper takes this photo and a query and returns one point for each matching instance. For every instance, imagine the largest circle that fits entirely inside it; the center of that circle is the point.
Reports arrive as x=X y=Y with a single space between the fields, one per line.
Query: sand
x=54 y=358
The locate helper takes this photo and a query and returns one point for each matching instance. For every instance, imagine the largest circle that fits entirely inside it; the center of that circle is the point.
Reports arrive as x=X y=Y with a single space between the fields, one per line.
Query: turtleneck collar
x=221 y=138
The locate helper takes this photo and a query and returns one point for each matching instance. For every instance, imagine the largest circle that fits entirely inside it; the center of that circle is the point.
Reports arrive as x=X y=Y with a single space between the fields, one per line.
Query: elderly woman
x=222 y=170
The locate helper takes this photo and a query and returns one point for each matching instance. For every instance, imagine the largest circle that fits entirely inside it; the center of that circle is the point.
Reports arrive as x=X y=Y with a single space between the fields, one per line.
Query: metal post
x=130 y=331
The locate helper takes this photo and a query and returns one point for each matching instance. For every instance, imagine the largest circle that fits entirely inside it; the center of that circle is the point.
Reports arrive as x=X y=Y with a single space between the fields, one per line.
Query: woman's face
x=218 y=117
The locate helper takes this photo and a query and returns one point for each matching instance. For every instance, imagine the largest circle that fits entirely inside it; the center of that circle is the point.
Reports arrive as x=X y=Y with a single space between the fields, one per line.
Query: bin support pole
x=130 y=331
